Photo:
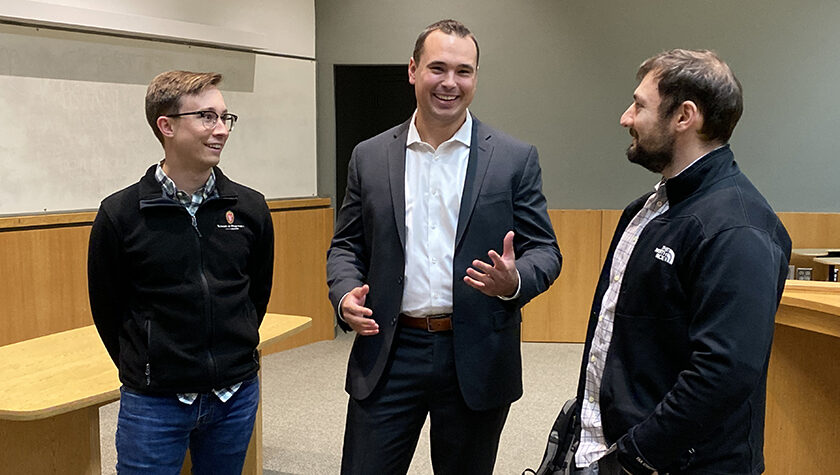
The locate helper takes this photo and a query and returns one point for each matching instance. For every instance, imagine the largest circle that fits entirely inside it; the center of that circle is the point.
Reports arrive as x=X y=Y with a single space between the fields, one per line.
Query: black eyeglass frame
x=227 y=115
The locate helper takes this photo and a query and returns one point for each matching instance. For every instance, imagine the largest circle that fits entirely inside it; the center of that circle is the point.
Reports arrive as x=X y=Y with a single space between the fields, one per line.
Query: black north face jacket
x=683 y=388
x=178 y=300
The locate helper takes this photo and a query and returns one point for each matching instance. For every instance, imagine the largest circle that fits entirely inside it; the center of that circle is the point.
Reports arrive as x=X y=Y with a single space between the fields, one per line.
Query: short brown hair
x=450 y=27
x=702 y=77
x=164 y=93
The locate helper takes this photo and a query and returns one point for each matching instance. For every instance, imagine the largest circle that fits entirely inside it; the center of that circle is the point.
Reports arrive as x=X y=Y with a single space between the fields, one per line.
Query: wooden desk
x=51 y=389
x=803 y=383
x=817 y=252
x=830 y=262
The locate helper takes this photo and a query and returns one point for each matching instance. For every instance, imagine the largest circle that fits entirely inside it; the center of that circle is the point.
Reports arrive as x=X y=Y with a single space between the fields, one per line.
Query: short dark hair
x=164 y=93
x=702 y=77
x=450 y=27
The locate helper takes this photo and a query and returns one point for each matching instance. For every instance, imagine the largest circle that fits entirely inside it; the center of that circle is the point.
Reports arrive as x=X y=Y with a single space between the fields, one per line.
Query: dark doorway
x=369 y=99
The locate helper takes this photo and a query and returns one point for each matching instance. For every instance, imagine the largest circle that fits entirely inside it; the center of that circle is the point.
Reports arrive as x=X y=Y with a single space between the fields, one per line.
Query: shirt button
x=434 y=261
x=600 y=317
x=616 y=278
x=592 y=359
x=591 y=400
x=658 y=204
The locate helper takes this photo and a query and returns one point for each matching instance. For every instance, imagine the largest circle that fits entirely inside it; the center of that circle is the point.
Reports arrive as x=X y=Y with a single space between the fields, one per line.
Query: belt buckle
x=429 y=319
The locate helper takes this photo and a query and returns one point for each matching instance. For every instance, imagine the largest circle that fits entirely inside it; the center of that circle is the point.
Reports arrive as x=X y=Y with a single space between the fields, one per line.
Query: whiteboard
x=74 y=127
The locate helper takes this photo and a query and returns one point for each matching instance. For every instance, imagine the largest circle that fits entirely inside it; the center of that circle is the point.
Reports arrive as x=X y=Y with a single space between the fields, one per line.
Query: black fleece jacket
x=178 y=300
x=683 y=388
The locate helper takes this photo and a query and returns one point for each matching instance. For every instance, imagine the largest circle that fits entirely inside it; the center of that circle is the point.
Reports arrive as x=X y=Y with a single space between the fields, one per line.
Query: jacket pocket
x=148 y=369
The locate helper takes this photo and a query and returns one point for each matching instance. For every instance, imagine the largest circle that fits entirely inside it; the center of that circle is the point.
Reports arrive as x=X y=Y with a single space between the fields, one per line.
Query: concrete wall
x=560 y=73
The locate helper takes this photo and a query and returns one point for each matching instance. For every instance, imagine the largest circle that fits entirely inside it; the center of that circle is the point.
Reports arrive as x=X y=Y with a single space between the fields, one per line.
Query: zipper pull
x=148 y=375
x=195 y=225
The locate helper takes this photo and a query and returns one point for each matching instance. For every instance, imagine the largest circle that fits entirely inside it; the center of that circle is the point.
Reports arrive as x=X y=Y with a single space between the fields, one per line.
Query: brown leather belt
x=432 y=323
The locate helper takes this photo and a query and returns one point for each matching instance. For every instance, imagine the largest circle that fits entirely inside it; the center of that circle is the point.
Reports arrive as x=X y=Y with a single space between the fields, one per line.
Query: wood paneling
x=560 y=314
x=609 y=221
x=301 y=240
x=65 y=444
x=803 y=389
x=298 y=203
x=43 y=282
x=812 y=230
x=43 y=271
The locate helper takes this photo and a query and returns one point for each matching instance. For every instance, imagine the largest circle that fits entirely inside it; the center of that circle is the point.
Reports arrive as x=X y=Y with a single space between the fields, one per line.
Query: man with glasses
x=179 y=275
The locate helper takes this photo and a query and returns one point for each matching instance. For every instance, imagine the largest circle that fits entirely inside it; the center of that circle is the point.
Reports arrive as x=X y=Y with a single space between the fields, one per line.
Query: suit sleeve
x=347 y=257
x=734 y=293
x=538 y=258
x=107 y=282
x=261 y=267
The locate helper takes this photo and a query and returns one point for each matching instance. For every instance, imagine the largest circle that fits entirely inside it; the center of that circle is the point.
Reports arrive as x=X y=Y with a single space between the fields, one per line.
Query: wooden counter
x=803 y=384
x=51 y=390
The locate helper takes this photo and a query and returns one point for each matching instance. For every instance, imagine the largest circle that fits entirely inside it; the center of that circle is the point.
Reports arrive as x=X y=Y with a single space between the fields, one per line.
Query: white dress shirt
x=434 y=185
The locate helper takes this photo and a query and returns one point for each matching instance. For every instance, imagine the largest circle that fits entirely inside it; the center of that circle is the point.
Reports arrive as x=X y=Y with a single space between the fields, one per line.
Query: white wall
x=75 y=128
x=560 y=73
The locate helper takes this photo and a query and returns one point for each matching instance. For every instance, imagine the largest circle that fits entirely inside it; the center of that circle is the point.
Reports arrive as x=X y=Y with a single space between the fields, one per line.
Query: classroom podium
x=51 y=389
x=803 y=384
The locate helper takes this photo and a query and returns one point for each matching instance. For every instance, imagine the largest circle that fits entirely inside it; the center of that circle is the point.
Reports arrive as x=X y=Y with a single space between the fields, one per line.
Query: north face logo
x=664 y=254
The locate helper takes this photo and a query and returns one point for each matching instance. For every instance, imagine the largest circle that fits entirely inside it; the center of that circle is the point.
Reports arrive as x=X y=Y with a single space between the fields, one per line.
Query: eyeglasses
x=209 y=118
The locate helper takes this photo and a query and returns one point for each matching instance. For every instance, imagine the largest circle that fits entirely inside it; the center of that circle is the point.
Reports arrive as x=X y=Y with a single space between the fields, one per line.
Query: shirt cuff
x=631 y=459
x=338 y=310
x=518 y=288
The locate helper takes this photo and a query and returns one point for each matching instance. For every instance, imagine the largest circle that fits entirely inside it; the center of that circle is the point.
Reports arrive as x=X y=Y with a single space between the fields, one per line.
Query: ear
x=688 y=117
x=164 y=124
x=412 y=70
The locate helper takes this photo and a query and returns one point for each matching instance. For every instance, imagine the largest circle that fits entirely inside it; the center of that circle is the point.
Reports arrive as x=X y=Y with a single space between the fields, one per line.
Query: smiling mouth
x=445 y=97
x=215 y=146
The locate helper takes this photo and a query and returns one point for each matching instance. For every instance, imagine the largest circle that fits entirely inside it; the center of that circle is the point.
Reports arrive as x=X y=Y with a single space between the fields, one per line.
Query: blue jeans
x=153 y=432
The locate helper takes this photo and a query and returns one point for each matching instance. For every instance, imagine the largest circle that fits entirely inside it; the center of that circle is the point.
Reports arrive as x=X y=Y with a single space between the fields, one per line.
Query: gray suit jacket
x=502 y=192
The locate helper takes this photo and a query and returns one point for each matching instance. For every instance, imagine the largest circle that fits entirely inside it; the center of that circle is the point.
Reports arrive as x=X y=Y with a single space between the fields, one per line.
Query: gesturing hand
x=355 y=313
x=501 y=278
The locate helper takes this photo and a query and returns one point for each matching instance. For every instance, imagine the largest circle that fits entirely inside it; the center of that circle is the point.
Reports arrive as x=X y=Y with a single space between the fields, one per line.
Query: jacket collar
x=150 y=189
x=715 y=166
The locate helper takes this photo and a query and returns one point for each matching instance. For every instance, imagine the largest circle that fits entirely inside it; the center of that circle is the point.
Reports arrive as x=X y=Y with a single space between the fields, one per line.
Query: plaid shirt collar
x=190 y=202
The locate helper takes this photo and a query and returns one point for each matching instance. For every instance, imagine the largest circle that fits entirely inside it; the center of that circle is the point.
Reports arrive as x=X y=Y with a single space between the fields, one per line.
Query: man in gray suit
x=438 y=328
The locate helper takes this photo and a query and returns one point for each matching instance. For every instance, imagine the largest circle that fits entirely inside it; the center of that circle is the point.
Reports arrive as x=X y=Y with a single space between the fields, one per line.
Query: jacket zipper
x=195 y=226
x=148 y=352
x=205 y=286
x=208 y=309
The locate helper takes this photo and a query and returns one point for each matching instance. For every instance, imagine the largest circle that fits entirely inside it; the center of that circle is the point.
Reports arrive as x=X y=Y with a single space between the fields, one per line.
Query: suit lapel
x=396 y=176
x=481 y=149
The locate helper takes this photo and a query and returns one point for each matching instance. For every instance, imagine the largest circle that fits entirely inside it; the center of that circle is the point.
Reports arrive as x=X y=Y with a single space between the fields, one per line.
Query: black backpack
x=562 y=443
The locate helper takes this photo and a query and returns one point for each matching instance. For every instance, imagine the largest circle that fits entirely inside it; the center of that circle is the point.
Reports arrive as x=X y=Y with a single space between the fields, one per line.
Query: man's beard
x=654 y=159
